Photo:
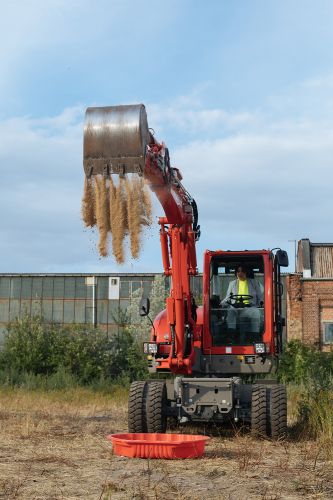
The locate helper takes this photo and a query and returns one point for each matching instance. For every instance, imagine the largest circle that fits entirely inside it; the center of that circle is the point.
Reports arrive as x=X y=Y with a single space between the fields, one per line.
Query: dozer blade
x=115 y=140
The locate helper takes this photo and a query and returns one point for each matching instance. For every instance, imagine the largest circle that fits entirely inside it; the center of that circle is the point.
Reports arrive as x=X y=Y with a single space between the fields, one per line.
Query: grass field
x=53 y=446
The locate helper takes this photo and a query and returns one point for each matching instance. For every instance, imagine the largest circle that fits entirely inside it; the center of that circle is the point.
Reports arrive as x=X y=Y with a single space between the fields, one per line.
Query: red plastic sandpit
x=149 y=445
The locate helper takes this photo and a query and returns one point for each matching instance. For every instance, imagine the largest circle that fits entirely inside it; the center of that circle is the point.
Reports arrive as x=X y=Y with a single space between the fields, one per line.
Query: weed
x=309 y=373
x=109 y=488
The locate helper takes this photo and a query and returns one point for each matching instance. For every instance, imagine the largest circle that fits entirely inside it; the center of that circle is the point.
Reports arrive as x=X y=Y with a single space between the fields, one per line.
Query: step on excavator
x=211 y=361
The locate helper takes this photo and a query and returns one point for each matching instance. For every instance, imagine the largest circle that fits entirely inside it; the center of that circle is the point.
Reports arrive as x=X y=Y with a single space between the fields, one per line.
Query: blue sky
x=241 y=92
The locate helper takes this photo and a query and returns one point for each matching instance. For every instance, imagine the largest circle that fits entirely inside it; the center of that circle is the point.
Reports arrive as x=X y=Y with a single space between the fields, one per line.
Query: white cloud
x=40 y=198
x=188 y=115
x=259 y=181
x=259 y=178
x=262 y=189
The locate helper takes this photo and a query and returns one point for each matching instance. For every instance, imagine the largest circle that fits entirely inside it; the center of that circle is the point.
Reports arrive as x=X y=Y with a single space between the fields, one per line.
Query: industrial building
x=310 y=295
x=73 y=298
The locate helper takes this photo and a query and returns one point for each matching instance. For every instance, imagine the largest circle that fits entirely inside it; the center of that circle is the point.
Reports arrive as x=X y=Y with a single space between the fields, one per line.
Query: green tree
x=139 y=326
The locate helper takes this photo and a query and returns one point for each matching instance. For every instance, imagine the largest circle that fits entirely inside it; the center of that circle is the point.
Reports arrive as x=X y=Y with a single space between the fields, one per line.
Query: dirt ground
x=53 y=446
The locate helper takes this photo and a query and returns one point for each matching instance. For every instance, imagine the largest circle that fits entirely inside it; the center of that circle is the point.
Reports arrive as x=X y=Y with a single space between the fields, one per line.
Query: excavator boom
x=117 y=140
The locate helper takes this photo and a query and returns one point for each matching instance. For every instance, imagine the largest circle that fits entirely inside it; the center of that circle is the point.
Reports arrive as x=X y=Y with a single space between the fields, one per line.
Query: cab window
x=237 y=301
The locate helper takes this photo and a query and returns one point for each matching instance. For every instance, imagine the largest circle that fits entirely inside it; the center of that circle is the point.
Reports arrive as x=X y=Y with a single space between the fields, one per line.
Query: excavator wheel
x=137 y=403
x=156 y=406
x=259 y=411
x=277 y=411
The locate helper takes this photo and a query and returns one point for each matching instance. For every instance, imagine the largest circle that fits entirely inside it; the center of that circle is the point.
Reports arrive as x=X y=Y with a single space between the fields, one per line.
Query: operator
x=243 y=298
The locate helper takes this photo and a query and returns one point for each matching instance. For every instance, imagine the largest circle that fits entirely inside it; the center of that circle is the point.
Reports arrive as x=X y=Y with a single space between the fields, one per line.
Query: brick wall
x=294 y=307
x=309 y=304
x=317 y=306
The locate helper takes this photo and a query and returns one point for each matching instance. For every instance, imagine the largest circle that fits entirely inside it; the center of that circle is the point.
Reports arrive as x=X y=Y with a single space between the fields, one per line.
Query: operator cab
x=237 y=291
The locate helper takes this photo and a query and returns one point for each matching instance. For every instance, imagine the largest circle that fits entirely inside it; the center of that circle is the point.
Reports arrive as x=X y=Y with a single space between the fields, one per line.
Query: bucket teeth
x=115 y=140
x=120 y=166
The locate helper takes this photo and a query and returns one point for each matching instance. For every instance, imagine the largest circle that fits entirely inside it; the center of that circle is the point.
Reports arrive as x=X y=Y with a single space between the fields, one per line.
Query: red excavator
x=219 y=353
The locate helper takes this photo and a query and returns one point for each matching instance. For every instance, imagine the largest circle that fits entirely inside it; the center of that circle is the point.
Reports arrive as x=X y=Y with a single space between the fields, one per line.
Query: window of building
x=58 y=311
x=102 y=288
x=80 y=311
x=113 y=313
x=69 y=311
x=14 y=309
x=58 y=288
x=47 y=310
x=37 y=288
x=36 y=307
x=4 y=287
x=102 y=311
x=70 y=287
x=48 y=288
x=26 y=288
x=15 y=288
x=81 y=289
x=124 y=289
x=328 y=333
x=136 y=285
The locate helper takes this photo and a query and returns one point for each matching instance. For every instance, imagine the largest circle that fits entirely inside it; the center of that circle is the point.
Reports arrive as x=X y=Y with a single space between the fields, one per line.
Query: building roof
x=315 y=260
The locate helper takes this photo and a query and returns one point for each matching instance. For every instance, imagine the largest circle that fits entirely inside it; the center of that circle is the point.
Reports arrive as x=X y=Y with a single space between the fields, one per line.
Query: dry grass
x=53 y=446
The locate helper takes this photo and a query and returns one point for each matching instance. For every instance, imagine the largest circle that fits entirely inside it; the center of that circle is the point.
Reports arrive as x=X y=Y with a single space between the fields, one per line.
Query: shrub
x=295 y=362
x=305 y=365
x=75 y=354
x=32 y=346
x=129 y=354
x=88 y=353
x=312 y=371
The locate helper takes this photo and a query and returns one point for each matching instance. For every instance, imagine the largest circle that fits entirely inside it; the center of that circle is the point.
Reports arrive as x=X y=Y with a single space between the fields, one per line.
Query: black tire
x=277 y=411
x=137 y=404
x=258 y=411
x=156 y=407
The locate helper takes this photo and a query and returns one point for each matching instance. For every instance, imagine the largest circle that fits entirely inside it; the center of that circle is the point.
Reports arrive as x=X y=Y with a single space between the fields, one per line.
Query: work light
x=260 y=348
x=149 y=348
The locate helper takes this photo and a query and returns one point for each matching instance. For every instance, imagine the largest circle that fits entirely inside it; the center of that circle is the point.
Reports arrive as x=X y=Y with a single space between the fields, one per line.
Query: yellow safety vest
x=243 y=289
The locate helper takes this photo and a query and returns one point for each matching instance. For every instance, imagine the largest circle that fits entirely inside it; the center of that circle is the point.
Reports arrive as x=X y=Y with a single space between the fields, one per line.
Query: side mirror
x=282 y=258
x=144 y=307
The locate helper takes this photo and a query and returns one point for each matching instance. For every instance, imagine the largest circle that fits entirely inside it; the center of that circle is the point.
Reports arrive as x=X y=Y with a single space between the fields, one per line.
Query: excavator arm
x=117 y=141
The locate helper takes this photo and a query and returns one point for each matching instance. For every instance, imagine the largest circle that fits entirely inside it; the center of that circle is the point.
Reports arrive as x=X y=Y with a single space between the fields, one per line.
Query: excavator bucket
x=115 y=140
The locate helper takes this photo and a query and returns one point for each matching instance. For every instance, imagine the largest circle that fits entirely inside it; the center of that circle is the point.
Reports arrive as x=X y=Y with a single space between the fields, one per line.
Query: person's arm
x=227 y=296
x=260 y=294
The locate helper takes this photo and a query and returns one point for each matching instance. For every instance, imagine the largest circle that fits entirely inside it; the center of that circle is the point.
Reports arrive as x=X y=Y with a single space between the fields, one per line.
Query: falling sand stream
x=117 y=210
